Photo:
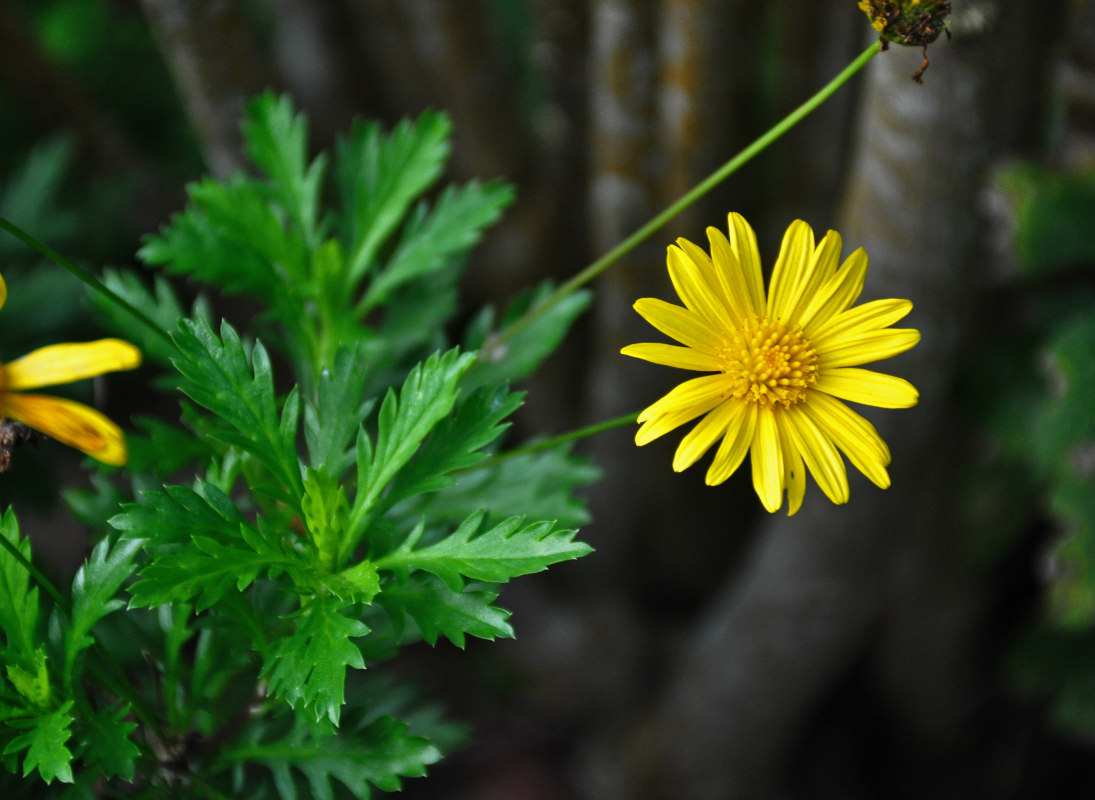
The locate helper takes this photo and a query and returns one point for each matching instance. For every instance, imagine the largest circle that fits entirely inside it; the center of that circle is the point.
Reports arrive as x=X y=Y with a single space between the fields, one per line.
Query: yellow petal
x=3 y=292
x=64 y=363
x=794 y=471
x=854 y=435
x=839 y=292
x=70 y=423
x=868 y=387
x=794 y=258
x=699 y=440
x=820 y=455
x=767 y=461
x=735 y=444
x=867 y=347
x=679 y=323
x=743 y=241
x=683 y=403
x=821 y=267
x=692 y=286
x=731 y=275
x=871 y=316
x=672 y=356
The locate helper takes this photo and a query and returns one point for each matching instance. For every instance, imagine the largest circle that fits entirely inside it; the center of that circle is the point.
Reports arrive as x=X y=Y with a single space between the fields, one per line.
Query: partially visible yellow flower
x=778 y=362
x=66 y=421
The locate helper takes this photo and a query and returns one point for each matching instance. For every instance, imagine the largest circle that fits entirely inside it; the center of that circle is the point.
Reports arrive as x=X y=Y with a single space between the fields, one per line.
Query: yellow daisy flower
x=779 y=362
x=66 y=421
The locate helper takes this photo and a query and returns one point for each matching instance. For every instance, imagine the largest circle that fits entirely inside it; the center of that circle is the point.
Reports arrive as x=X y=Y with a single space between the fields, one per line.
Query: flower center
x=769 y=362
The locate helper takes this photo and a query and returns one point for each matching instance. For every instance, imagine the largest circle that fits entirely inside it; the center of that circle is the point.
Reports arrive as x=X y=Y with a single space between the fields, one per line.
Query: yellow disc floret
x=769 y=362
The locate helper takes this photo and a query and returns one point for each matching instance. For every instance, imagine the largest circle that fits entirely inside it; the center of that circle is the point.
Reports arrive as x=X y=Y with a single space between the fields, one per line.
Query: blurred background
x=931 y=641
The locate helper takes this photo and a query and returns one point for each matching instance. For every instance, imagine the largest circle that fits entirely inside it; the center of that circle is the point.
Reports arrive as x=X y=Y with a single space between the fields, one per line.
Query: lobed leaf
x=430 y=239
x=380 y=176
x=277 y=141
x=379 y=754
x=222 y=377
x=456 y=443
x=45 y=742
x=308 y=667
x=437 y=610
x=94 y=595
x=18 y=599
x=427 y=396
x=507 y=550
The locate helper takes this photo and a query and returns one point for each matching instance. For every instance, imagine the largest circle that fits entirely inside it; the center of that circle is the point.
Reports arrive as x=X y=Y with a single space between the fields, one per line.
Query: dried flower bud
x=909 y=22
x=916 y=23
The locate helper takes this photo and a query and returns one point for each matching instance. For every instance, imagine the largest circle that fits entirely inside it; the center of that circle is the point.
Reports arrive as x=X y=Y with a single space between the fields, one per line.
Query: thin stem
x=83 y=275
x=40 y=579
x=698 y=191
x=563 y=438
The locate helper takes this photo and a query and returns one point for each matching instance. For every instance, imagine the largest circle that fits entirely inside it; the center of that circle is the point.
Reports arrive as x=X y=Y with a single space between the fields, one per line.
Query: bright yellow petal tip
x=778 y=362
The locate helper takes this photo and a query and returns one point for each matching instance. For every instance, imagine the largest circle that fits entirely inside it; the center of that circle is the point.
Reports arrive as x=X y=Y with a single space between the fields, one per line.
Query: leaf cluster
x=294 y=529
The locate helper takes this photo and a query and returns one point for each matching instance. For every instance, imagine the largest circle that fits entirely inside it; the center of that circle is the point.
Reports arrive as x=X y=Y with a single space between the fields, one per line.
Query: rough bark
x=217 y=67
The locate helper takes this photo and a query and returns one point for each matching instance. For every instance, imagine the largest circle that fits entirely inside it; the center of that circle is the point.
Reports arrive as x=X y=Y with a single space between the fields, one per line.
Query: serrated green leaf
x=428 y=395
x=437 y=610
x=456 y=443
x=277 y=141
x=44 y=742
x=94 y=595
x=507 y=550
x=506 y=358
x=18 y=600
x=379 y=177
x=541 y=485
x=230 y=237
x=176 y=514
x=201 y=546
x=222 y=377
x=106 y=743
x=380 y=754
x=308 y=667
x=451 y=228
x=338 y=412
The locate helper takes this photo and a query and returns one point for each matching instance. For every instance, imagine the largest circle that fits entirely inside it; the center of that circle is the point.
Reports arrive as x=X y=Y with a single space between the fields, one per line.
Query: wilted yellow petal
x=65 y=363
x=70 y=423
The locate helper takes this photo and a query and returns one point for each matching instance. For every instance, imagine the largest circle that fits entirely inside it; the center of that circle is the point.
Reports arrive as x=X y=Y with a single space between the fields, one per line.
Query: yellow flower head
x=66 y=421
x=779 y=362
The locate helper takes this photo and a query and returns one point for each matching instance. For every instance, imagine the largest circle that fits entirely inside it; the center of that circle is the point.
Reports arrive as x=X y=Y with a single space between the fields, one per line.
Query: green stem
x=563 y=438
x=40 y=579
x=698 y=191
x=83 y=275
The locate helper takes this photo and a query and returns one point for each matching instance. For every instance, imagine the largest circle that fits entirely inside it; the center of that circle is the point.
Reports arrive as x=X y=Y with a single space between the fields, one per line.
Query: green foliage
x=332 y=491
x=1033 y=391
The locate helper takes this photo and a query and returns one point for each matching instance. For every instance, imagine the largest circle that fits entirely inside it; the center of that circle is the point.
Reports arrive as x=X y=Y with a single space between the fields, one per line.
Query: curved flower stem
x=698 y=191
x=563 y=438
x=83 y=275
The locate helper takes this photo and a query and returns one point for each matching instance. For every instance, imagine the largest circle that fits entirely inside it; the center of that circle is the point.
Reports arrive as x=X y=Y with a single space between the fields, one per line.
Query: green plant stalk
x=39 y=578
x=83 y=275
x=698 y=191
x=555 y=441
